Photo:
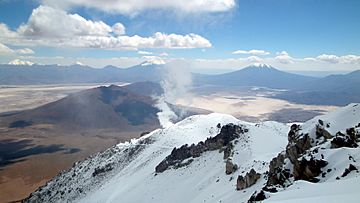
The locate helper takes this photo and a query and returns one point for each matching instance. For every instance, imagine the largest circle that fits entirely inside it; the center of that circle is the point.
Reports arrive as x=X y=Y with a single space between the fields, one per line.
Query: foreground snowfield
x=204 y=179
x=126 y=172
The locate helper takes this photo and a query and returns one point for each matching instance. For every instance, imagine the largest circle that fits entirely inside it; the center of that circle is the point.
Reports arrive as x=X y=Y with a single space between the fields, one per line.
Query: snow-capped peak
x=79 y=63
x=261 y=65
x=19 y=62
x=153 y=61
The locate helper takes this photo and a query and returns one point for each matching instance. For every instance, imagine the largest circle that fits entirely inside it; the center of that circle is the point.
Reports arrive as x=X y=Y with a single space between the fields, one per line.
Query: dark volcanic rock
x=247 y=181
x=256 y=197
x=230 y=167
x=292 y=133
x=321 y=132
x=222 y=141
x=348 y=170
x=297 y=147
x=302 y=169
x=100 y=170
x=342 y=140
x=277 y=175
x=308 y=169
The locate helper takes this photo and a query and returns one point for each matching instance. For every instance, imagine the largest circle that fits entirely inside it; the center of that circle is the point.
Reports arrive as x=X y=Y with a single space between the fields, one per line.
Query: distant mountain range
x=333 y=89
x=55 y=74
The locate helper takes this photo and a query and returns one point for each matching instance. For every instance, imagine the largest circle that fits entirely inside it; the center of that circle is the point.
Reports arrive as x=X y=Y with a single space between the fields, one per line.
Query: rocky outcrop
x=247 y=181
x=348 y=140
x=321 y=131
x=349 y=169
x=302 y=169
x=308 y=169
x=230 y=167
x=297 y=146
x=257 y=196
x=299 y=162
x=100 y=170
x=277 y=174
x=221 y=142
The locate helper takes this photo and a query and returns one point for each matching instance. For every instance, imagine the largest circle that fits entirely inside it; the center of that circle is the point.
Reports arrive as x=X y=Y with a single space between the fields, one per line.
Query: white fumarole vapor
x=176 y=81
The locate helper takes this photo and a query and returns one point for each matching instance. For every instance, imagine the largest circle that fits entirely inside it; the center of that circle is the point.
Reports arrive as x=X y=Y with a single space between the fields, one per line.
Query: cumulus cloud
x=338 y=59
x=5 y=50
x=254 y=59
x=284 y=58
x=350 y=59
x=152 y=60
x=252 y=52
x=54 y=23
x=328 y=58
x=5 y=32
x=53 y=27
x=131 y=7
x=118 y=29
x=24 y=51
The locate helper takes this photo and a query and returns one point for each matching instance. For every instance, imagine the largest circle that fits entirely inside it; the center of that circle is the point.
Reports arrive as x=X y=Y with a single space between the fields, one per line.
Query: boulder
x=348 y=170
x=230 y=167
x=257 y=196
x=321 y=132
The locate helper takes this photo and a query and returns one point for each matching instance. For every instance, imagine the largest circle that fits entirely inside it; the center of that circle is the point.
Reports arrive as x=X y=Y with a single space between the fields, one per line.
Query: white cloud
x=309 y=59
x=25 y=51
x=252 y=52
x=152 y=60
x=5 y=50
x=144 y=52
x=328 y=58
x=339 y=59
x=284 y=58
x=133 y=7
x=118 y=29
x=56 y=28
x=5 y=32
x=350 y=59
x=54 y=23
x=254 y=59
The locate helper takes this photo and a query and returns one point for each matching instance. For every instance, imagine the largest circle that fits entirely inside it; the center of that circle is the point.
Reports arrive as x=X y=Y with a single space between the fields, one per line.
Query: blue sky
x=289 y=34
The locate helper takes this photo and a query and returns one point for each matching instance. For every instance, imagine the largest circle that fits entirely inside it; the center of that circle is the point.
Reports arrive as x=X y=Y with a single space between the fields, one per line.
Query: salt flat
x=20 y=97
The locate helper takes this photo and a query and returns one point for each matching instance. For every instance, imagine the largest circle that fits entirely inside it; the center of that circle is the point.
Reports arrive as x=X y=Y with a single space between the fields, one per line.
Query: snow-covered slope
x=339 y=179
x=126 y=172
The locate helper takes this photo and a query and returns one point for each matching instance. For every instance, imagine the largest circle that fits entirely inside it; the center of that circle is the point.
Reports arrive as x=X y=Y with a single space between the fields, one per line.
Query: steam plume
x=176 y=81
